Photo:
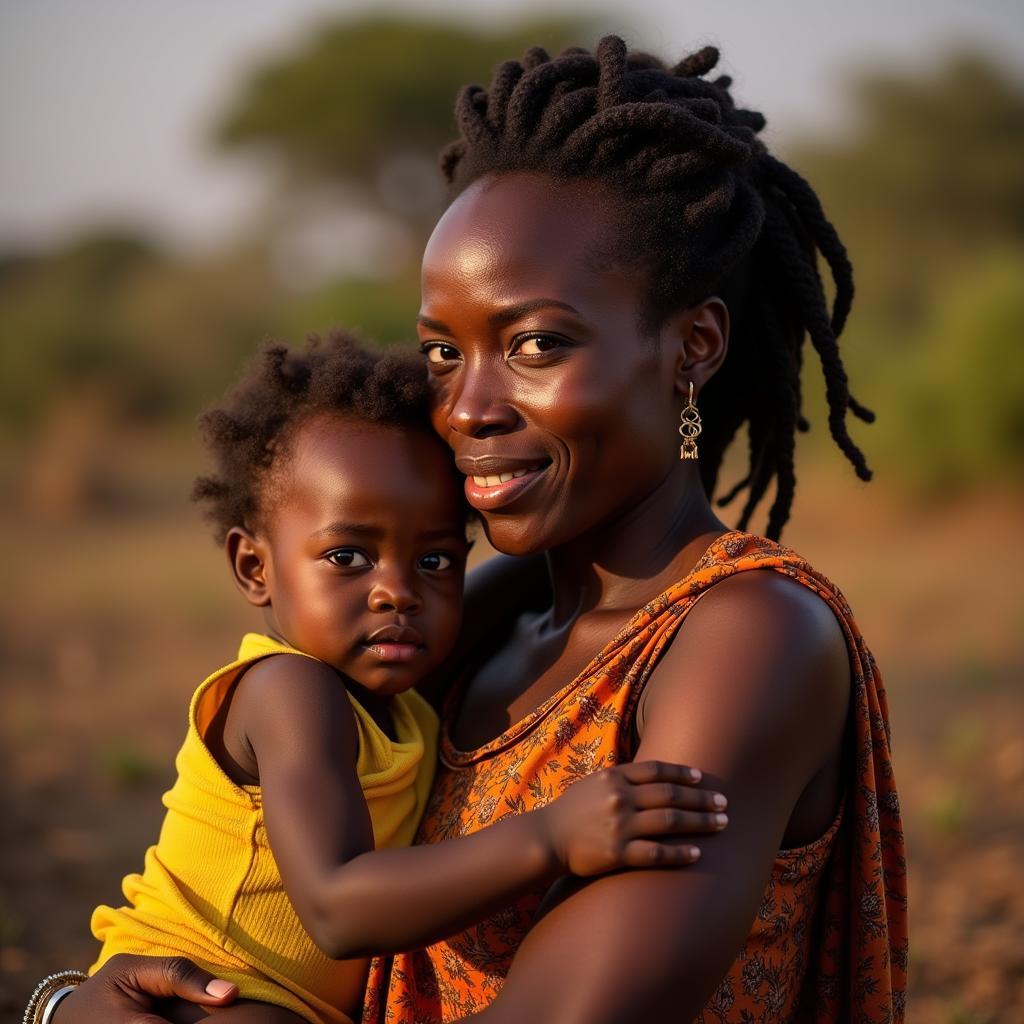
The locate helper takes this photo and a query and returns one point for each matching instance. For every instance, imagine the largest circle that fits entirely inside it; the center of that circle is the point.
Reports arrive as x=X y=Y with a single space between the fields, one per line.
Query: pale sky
x=105 y=105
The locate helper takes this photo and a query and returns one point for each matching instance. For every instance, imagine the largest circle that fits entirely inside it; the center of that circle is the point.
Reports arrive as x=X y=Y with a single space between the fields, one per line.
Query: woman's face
x=560 y=409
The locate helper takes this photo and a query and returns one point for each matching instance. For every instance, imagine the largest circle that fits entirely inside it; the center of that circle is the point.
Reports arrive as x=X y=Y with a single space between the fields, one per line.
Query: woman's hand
x=610 y=819
x=127 y=990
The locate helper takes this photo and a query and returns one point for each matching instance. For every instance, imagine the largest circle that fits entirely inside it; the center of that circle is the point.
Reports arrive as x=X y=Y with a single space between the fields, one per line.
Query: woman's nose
x=480 y=405
x=394 y=593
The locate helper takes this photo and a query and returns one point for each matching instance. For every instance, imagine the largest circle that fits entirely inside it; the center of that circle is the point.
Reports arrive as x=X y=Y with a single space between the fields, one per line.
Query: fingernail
x=219 y=988
x=719 y=801
x=721 y=819
x=694 y=774
x=694 y=852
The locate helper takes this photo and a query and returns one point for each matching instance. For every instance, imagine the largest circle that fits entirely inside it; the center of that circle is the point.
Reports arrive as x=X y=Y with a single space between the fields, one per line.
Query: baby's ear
x=247 y=556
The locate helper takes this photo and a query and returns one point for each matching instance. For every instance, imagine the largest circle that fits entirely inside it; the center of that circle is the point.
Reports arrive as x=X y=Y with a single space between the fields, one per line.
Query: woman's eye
x=438 y=352
x=347 y=558
x=537 y=344
x=436 y=561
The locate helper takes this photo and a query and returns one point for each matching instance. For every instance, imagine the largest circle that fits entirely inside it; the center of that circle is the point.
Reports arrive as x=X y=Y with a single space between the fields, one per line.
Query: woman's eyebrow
x=503 y=317
x=510 y=314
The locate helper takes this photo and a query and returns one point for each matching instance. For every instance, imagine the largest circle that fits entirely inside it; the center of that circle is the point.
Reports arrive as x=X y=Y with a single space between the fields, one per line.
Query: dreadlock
x=283 y=388
x=706 y=210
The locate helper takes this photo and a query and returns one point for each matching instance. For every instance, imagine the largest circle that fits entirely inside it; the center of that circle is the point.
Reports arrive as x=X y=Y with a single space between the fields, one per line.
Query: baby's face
x=366 y=550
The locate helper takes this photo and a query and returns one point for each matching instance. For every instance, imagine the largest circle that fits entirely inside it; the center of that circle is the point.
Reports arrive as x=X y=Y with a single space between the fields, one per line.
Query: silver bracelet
x=48 y=993
x=51 y=1003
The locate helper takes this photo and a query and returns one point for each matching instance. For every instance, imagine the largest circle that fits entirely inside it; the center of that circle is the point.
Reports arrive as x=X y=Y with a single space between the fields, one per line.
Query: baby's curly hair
x=248 y=433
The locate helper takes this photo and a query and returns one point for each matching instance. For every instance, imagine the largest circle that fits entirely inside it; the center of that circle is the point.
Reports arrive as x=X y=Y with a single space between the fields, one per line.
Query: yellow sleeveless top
x=211 y=890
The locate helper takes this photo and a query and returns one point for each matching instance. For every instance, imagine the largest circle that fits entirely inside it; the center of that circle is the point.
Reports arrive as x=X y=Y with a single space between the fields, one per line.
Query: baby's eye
x=347 y=558
x=537 y=344
x=439 y=352
x=436 y=561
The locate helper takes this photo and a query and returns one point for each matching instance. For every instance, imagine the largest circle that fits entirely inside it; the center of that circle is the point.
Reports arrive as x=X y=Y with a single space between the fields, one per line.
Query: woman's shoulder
x=739 y=550
x=762 y=628
x=772 y=601
x=768 y=611
x=761 y=564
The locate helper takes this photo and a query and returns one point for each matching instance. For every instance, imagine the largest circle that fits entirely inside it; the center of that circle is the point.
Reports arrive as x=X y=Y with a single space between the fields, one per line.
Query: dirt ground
x=110 y=624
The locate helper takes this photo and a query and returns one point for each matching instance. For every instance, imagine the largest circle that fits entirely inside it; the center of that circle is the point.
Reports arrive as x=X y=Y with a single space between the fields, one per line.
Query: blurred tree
x=109 y=337
x=111 y=312
x=927 y=191
x=62 y=317
x=931 y=176
x=370 y=102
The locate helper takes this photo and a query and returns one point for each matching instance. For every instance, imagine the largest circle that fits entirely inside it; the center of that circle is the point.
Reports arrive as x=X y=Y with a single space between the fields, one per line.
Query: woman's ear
x=248 y=558
x=698 y=339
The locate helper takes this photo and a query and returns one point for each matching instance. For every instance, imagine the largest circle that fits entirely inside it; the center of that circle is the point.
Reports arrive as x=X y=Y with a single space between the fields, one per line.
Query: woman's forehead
x=511 y=235
x=509 y=216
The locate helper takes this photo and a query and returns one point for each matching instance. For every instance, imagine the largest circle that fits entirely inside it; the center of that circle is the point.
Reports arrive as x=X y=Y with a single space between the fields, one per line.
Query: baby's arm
x=355 y=901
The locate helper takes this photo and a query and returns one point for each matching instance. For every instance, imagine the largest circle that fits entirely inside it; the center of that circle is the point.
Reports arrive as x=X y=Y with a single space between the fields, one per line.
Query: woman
x=623 y=259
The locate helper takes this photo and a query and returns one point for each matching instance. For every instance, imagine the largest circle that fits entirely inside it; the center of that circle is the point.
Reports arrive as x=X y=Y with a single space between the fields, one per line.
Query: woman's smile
x=494 y=481
x=488 y=493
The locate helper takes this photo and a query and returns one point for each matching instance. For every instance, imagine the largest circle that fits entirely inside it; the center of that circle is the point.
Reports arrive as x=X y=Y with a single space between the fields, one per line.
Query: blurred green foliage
x=961 y=417
x=930 y=175
x=926 y=188
x=112 y=315
x=946 y=812
x=927 y=191
x=127 y=767
x=382 y=310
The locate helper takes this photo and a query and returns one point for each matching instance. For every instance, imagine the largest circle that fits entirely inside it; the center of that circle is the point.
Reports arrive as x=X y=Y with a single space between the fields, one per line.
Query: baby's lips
x=394 y=634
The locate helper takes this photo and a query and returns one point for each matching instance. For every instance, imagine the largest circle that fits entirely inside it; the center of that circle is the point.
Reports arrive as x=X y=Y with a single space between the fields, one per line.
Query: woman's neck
x=628 y=559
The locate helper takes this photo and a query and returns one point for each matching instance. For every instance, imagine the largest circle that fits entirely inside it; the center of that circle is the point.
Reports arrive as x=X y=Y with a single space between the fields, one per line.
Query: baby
x=284 y=858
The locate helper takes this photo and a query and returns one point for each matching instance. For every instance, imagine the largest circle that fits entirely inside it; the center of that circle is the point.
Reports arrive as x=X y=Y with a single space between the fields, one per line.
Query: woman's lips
x=490 y=492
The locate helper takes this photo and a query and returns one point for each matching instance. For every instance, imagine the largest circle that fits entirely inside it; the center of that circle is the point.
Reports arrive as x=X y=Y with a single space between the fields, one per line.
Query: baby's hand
x=631 y=816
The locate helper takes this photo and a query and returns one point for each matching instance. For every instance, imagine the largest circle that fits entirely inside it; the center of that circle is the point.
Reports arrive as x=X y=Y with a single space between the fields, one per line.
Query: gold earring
x=690 y=427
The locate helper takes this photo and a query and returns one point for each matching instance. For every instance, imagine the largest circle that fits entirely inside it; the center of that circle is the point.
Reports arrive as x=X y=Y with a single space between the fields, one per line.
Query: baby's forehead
x=339 y=461
x=326 y=433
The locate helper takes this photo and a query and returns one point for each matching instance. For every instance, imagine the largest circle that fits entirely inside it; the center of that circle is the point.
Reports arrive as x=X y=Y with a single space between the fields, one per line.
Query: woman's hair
x=705 y=210
x=248 y=432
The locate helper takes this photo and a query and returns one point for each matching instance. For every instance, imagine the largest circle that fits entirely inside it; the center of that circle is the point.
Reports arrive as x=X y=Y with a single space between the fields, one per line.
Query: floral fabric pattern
x=829 y=941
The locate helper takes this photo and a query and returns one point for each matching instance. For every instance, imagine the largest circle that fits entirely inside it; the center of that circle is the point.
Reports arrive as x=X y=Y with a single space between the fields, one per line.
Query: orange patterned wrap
x=829 y=942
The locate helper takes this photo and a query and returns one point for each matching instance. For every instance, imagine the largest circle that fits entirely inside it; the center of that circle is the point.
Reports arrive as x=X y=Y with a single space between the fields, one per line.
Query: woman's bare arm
x=755 y=687
x=356 y=901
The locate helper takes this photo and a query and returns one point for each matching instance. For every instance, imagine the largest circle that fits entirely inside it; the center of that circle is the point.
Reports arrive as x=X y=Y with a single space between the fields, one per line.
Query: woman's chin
x=514 y=536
